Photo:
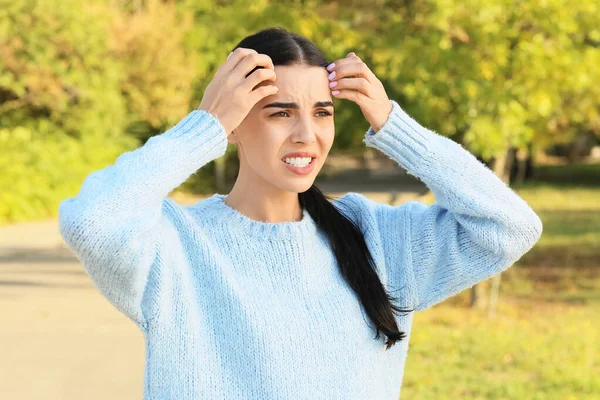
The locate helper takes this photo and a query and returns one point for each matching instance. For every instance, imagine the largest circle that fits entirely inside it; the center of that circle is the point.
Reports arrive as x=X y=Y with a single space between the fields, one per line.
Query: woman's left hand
x=352 y=73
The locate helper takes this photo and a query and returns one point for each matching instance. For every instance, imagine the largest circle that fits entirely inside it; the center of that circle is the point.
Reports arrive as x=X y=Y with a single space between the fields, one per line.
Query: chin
x=298 y=187
x=288 y=181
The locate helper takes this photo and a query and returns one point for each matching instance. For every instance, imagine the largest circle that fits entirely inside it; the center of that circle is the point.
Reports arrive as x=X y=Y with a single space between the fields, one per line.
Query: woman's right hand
x=229 y=96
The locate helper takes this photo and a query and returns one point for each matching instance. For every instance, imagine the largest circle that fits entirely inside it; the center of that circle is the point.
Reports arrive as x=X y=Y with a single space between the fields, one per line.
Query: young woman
x=274 y=291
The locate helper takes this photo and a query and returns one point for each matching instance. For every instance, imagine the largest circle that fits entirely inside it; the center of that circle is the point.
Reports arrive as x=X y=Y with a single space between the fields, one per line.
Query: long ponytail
x=355 y=262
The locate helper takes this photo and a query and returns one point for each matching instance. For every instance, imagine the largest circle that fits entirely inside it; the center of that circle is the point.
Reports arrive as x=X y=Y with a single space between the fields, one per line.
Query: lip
x=300 y=154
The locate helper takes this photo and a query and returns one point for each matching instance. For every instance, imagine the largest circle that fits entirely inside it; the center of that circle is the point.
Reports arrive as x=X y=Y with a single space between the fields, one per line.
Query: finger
x=354 y=68
x=355 y=95
x=360 y=84
x=261 y=92
x=250 y=63
x=339 y=62
x=343 y=61
x=235 y=57
x=257 y=77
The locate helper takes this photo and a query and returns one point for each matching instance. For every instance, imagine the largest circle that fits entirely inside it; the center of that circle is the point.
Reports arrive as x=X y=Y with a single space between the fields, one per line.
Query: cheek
x=264 y=149
x=327 y=137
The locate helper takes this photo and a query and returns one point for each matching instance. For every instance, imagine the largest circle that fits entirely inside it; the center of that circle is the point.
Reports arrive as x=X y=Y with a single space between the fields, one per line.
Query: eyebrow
x=295 y=105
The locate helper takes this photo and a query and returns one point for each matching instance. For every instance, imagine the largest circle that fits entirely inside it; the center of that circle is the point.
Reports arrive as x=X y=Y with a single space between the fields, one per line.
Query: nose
x=304 y=132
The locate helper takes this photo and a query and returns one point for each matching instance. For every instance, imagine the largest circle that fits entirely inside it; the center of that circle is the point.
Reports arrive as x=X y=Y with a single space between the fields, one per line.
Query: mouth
x=300 y=164
x=300 y=168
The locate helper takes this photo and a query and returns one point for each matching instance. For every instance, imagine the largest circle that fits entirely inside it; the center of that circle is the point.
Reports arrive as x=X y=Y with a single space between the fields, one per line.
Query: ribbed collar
x=265 y=230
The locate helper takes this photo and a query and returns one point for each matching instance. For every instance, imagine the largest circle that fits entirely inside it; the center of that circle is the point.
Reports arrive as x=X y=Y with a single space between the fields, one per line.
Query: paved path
x=59 y=338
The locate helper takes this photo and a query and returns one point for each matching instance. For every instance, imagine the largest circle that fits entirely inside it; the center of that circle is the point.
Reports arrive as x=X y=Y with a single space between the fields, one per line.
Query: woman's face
x=270 y=131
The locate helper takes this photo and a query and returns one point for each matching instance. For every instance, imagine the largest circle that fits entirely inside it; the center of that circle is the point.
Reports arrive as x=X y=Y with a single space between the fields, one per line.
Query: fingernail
x=332 y=75
x=335 y=92
x=332 y=84
x=330 y=66
x=229 y=55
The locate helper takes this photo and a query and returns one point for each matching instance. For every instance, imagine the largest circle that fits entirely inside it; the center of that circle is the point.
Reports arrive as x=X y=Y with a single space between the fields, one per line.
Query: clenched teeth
x=298 y=161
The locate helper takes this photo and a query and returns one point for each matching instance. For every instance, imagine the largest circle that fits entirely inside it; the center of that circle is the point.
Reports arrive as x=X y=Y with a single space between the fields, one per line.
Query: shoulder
x=187 y=216
x=353 y=205
x=372 y=213
x=358 y=203
x=202 y=212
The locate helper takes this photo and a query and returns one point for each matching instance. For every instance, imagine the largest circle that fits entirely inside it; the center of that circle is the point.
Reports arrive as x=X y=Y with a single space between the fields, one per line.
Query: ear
x=233 y=137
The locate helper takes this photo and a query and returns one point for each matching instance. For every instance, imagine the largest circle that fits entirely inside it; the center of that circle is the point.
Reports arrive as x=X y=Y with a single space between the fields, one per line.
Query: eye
x=327 y=113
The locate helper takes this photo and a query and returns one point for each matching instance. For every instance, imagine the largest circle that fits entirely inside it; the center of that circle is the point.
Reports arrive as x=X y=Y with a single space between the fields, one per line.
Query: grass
x=535 y=352
x=544 y=342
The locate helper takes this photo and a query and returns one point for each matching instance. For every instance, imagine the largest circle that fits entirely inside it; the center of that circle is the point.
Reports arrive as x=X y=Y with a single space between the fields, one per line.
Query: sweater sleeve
x=117 y=222
x=477 y=227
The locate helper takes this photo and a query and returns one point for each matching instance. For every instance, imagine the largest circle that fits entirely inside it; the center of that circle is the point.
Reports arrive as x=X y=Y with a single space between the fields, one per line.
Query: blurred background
x=514 y=82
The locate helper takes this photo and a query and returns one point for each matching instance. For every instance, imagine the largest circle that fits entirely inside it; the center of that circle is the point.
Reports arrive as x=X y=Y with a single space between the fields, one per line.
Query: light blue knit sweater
x=234 y=308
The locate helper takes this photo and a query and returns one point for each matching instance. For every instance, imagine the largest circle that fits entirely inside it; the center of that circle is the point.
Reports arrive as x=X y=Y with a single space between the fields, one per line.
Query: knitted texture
x=235 y=308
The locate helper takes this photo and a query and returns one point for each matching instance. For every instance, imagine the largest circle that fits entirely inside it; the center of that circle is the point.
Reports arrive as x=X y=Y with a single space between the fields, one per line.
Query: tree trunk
x=577 y=148
x=530 y=171
x=368 y=159
x=220 y=178
x=503 y=163
x=477 y=296
x=494 y=290
x=520 y=167
x=501 y=166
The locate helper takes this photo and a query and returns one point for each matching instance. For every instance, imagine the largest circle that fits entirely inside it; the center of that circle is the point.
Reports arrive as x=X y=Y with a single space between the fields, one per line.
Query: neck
x=266 y=204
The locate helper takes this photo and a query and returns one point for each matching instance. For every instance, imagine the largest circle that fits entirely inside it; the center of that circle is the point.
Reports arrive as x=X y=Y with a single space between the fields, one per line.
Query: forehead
x=299 y=83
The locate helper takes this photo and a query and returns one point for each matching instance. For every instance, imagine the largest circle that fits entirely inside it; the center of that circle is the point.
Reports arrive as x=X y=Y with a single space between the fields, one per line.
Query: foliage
x=158 y=80
x=489 y=74
x=79 y=85
x=62 y=113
